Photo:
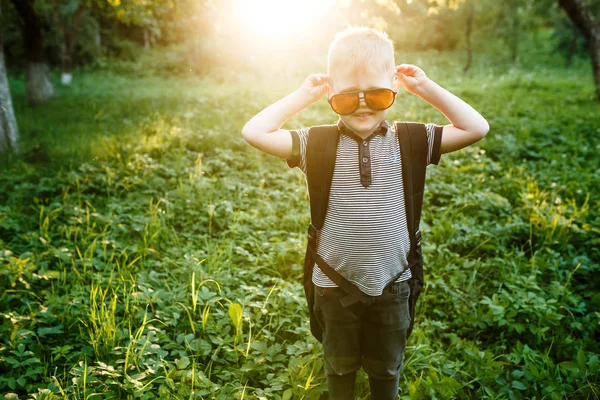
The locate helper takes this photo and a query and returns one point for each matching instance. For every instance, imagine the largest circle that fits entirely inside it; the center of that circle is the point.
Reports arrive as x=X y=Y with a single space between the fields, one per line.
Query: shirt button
x=365 y=143
x=365 y=159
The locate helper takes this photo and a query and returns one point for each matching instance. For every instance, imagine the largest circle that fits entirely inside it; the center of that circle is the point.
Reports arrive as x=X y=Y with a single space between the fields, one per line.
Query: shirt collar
x=381 y=129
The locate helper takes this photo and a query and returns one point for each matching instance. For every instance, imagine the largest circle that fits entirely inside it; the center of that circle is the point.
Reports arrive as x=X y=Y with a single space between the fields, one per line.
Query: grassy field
x=146 y=250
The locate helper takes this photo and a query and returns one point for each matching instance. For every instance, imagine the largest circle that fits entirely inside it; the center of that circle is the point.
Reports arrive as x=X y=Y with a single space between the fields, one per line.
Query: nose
x=361 y=100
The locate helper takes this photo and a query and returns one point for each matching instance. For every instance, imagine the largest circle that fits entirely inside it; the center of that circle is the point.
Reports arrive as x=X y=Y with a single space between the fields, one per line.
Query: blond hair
x=360 y=48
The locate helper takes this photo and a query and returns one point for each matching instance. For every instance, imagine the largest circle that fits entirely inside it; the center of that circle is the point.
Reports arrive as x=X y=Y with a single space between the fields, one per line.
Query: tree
x=9 y=133
x=468 y=30
x=584 y=20
x=40 y=17
x=68 y=34
x=39 y=87
x=514 y=26
x=144 y=15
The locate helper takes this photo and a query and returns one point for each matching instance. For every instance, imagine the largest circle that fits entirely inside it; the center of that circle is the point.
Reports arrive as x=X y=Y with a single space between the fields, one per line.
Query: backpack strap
x=321 y=152
x=321 y=149
x=413 y=141
x=412 y=138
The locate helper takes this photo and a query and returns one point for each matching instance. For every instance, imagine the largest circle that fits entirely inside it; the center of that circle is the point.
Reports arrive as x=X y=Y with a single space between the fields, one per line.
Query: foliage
x=146 y=250
x=203 y=35
x=108 y=27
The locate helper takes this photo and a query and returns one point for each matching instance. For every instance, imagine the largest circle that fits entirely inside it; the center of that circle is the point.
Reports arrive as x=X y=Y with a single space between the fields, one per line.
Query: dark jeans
x=369 y=335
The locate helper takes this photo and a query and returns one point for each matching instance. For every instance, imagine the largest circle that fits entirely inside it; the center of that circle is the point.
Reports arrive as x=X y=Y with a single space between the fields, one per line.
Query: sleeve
x=434 y=140
x=299 y=142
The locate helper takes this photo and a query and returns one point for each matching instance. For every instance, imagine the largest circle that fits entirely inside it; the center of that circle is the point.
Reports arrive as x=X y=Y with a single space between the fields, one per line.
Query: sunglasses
x=376 y=99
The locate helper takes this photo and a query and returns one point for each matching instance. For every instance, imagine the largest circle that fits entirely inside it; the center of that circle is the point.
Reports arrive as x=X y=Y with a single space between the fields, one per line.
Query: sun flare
x=281 y=19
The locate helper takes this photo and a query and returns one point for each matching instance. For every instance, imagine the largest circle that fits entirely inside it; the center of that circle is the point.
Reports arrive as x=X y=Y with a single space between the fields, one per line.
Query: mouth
x=362 y=115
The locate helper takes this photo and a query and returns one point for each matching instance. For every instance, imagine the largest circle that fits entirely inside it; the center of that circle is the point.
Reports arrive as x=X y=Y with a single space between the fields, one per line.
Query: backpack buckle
x=418 y=249
x=313 y=236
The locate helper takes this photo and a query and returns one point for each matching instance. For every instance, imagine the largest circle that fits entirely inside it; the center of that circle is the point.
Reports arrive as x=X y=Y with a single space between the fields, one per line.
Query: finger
x=318 y=79
x=323 y=79
x=406 y=67
x=400 y=71
x=314 y=80
x=329 y=89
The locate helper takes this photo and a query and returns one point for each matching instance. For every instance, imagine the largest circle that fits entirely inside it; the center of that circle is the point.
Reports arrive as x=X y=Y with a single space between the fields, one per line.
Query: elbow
x=483 y=129
x=245 y=131
x=247 y=135
x=486 y=127
x=252 y=138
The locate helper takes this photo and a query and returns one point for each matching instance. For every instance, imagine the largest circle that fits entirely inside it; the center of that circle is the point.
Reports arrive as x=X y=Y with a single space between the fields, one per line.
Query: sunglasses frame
x=364 y=98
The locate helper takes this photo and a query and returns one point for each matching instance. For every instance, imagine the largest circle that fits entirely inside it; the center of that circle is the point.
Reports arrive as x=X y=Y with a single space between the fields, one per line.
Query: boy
x=364 y=236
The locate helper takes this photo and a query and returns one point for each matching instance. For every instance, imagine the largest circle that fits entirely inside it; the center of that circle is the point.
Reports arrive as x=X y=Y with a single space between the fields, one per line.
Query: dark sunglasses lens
x=379 y=99
x=344 y=103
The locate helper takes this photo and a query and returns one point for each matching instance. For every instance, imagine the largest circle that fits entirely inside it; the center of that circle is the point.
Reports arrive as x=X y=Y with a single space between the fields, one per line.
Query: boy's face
x=364 y=120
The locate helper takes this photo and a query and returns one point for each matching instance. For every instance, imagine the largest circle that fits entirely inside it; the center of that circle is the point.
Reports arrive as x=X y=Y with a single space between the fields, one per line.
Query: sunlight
x=281 y=19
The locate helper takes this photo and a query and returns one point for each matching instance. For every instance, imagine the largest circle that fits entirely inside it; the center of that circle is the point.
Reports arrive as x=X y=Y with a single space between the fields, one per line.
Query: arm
x=264 y=132
x=468 y=126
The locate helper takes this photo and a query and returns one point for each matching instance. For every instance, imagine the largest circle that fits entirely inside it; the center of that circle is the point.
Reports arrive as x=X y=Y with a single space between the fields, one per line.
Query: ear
x=329 y=88
x=395 y=82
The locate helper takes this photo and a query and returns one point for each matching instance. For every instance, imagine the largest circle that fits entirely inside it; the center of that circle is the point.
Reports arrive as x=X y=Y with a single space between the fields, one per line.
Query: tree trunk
x=583 y=19
x=68 y=40
x=572 y=49
x=98 y=40
x=9 y=131
x=514 y=31
x=39 y=87
x=469 y=26
x=146 y=39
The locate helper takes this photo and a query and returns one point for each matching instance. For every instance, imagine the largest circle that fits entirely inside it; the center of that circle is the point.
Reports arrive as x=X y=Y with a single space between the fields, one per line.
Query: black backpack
x=320 y=161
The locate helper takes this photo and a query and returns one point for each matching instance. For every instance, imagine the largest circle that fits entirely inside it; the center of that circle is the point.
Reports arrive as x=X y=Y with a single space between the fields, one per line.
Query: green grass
x=148 y=251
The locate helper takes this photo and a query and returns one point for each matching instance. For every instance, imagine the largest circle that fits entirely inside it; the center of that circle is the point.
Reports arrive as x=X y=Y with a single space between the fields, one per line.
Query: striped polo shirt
x=365 y=235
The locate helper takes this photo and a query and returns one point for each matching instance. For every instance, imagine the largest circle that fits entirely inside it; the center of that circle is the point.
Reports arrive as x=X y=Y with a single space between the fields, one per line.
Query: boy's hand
x=411 y=76
x=315 y=86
